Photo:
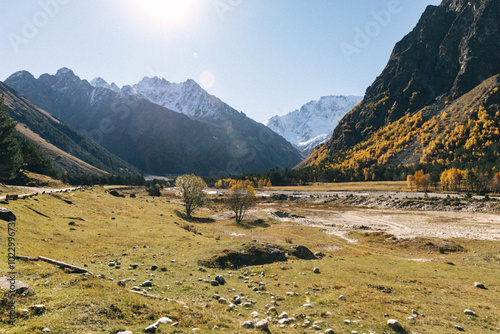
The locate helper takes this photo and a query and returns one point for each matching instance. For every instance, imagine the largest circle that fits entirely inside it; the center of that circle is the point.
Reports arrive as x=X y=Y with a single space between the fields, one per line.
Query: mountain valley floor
x=387 y=255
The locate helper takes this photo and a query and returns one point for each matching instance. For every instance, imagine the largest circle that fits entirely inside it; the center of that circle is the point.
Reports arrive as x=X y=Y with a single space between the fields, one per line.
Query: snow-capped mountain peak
x=314 y=122
x=101 y=83
x=187 y=98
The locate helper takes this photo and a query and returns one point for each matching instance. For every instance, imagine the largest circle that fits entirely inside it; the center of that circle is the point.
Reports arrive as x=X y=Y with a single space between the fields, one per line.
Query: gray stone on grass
x=470 y=312
x=459 y=328
x=329 y=331
x=125 y=332
x=45 y=330
x=316 y=270
x=7 y=215
x=38 y=309
x=319 y=255
x=286 y=321
x=146 y=284
x=20 y=288
x=248 y=324
x=263 y=325
x=164 y=320
x=394 y=324
x=479 y=285
x=283 y=315
x=214 y=283
x=151 y=328
x=220 y=279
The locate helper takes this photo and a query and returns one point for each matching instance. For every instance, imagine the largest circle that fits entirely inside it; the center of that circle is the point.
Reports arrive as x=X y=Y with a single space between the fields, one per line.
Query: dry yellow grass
x=351 y=186
x=148 y=231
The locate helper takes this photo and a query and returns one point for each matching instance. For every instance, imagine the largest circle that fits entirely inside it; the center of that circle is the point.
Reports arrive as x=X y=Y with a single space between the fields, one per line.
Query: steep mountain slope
x=454 y=49
x=187 y=98
x=313 y=124
x=155 y=139
x=70 y=149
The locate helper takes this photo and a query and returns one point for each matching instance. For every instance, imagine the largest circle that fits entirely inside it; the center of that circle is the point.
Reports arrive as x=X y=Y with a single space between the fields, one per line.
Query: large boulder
x=16 y=287
x=7 y=215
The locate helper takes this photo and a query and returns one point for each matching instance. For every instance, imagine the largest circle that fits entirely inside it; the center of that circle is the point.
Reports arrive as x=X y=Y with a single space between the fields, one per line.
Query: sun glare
x=167 y=11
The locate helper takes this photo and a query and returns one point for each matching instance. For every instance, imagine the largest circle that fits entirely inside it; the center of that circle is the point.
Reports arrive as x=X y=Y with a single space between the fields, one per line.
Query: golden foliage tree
x=192 y=191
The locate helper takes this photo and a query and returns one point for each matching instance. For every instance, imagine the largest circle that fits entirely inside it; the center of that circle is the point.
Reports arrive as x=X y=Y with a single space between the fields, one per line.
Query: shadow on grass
x=252 y=224
x=203 y=220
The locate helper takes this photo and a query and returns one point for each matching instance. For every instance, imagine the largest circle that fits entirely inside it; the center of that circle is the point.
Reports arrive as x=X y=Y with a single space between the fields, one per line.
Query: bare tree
x=191 y=189
x=239 y=199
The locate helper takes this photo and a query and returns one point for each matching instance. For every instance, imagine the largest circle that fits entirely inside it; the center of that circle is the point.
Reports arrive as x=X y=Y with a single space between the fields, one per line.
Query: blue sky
x=262 y=57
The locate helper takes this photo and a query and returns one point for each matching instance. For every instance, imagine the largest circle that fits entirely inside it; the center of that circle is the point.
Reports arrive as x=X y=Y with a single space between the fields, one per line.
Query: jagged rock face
x=314 y=122
x=153 y=138
x=453 y=48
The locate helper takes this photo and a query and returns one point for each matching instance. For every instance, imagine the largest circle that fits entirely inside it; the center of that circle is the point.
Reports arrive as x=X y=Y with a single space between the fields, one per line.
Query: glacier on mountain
x=314 y=122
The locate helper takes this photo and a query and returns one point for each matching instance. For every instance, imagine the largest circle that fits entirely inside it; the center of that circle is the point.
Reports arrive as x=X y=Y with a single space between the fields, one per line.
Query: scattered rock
x=286 y=321
x=263 y=325
x=470 y=312
x=342 y=297
x=7 y=215
x=301 y=252
x=319 y=255
x=248 y=324
x=45 y=330
x=164 y=320
x=151 y=328
x=255 y=314
x=124 y=332
x=237 y=300
x=38 y=309
x=459 y=328
x=283 y=315
x=316 y=270
x=20 y=288
x=329 y=331
x=220 y=279
x=394 y=324
x=123 y=281
x=222 y=301
x=115 y=193
x=154 y=267
x=111 y=264
x=147 y=284
x=479 y=285
x=214 y=283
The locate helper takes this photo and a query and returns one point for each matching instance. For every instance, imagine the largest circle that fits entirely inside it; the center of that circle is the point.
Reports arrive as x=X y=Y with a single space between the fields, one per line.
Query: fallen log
x=144 y=294
x=26 y=258
x=62 y=265
x=71 y=268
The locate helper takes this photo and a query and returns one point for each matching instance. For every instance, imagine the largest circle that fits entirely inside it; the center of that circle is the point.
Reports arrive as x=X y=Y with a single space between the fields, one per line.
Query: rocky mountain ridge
x=453 y=49
x=314 y=122
x=157 y=140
